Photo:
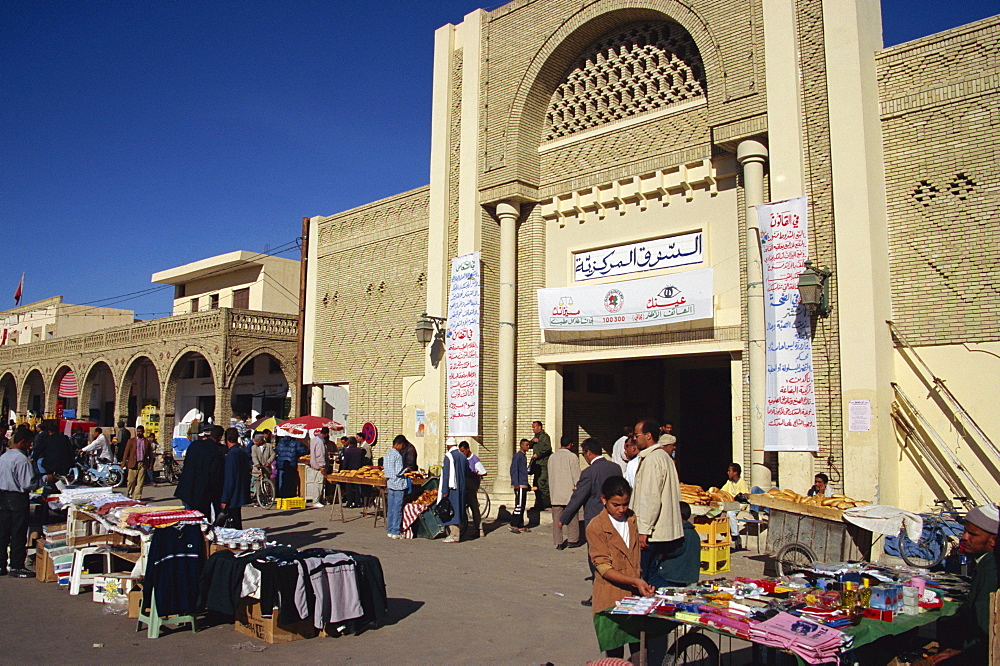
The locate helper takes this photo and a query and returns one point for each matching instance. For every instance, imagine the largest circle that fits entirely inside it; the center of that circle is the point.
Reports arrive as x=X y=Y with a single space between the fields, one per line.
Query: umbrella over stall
x=303 y=425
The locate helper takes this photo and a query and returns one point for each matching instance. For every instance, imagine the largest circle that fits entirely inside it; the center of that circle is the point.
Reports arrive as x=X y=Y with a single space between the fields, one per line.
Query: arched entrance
x=193 y=385
x=8 y=396
x=260 y=387
x=140 y=392
x=65 y=393
x=33 y=394
x=99 y=394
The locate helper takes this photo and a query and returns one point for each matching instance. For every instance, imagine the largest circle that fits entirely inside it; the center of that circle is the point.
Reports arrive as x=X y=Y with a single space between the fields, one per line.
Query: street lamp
x=814 y=290
x=429 y=328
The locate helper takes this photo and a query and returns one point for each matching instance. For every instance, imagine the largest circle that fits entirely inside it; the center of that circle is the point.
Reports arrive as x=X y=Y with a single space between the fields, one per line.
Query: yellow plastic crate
x=291 y=503
x=713 y=532
x=714 y=559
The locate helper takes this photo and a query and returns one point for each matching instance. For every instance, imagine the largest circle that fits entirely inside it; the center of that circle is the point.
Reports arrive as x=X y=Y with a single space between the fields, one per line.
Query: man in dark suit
x=200 y=485
x=588 y=490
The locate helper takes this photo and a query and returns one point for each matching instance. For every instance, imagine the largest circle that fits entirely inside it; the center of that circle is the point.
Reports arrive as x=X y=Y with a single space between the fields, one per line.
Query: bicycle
x=484 y=503
x=939 y=536
x=170 y=469
x=262 y=491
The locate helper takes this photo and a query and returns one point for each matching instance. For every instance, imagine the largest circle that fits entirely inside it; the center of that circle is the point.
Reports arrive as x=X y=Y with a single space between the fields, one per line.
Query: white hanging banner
x=790 y=417
x=628 y=304
x=462 y=346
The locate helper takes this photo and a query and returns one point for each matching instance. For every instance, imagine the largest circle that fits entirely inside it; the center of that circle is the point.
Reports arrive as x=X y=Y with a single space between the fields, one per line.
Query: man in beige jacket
x=564 y=470
x=656 y=501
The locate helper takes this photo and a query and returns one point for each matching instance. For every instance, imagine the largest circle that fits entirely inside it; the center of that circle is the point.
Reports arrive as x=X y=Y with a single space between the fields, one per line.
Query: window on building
x=194 y=305
x=179 y=291
x=213 y=302
x=241 y=298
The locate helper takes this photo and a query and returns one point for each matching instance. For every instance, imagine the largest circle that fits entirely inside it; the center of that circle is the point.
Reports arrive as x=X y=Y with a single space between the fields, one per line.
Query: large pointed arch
x=527 y=118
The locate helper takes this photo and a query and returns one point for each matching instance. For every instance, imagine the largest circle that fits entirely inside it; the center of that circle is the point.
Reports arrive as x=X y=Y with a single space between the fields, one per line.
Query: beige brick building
x=560 y=129
x=219 y=361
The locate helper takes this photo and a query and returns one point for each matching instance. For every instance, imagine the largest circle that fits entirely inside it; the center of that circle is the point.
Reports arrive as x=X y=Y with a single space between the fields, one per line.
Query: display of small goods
x=365 y=472
x=427 y=497
x=693 y=494
x=834 y=501
x=827 y=597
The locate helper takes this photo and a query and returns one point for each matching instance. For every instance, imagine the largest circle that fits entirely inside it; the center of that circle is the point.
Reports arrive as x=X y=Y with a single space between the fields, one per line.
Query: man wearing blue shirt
x=15 y=484
x=395 y=483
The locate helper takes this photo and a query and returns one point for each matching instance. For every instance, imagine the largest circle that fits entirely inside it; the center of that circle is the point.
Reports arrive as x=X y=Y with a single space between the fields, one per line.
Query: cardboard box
x=249 y=621
x=43 y=564
x=134 y=601
x=112 y=589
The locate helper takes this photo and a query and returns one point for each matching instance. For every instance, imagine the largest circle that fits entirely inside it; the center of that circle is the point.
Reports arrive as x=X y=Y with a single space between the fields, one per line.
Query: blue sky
x=140 y=135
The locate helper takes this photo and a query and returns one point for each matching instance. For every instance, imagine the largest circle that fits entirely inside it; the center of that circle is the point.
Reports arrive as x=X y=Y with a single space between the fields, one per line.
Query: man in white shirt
x=632 y=455
x=317 y=465
x=99 y=446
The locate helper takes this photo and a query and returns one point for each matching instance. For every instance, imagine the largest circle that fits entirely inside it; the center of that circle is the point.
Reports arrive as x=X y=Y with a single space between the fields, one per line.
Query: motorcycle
x=89 y=470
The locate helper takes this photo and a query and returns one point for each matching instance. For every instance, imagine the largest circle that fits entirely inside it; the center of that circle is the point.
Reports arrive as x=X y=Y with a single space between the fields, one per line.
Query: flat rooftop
x=214 y=265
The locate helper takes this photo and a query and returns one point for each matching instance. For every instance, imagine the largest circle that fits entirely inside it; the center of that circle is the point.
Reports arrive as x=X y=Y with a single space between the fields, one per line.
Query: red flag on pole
x=18 y=291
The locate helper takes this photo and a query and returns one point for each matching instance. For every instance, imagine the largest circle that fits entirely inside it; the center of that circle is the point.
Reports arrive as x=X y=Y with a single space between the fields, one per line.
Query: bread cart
x=799 y=534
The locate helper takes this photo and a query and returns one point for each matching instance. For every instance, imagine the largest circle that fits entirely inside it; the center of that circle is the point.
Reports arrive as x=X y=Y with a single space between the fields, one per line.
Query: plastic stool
x=154 y=622
x=77 y=577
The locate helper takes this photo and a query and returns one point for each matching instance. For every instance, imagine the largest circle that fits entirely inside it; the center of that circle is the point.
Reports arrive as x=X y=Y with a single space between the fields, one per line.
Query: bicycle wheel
x=265 y=493
x=693 y=648
x=169 y=473
x=793 y=556
x=484 y=503
x=915 y=560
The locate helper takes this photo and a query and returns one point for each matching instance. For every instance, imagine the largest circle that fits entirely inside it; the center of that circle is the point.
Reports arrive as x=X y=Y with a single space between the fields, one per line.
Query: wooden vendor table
x=379 y=505
x=820 y=528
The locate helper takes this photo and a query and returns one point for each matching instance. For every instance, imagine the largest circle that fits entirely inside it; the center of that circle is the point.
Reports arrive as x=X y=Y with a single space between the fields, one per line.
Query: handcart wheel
x=794 y=556
x=693 y=648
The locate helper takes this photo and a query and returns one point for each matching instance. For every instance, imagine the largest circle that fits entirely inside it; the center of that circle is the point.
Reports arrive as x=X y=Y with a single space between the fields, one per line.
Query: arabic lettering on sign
x=649 y=301
x=650 y=255
x=462 y=346
x=790 y=416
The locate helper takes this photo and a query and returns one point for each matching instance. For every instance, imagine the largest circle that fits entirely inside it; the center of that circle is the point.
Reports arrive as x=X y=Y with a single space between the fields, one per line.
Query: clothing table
x=615 y=630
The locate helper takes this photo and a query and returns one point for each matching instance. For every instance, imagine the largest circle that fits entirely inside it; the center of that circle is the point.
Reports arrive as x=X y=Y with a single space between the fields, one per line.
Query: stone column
x=506 y=371
x=752 y=155
x=223 y=405
x=316 y=400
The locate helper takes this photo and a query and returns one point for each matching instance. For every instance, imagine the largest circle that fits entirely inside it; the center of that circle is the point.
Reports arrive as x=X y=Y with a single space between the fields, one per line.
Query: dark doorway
x=693 y=392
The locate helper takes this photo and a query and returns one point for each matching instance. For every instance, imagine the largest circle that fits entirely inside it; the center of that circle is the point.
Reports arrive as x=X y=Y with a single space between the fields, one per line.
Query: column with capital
x=507 y=213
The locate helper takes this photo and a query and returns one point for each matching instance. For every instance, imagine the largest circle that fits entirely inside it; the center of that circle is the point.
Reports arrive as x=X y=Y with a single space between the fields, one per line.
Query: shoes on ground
x=450 y=540
x=576 y=544
x=395 y=536
x=514 y=530
x=587 y=602
x=318 y=505
x=21 y=573
x=562 y=546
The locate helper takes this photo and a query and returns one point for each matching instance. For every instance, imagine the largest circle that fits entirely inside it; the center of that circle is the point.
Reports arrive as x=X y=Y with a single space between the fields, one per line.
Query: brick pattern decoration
x=940 y=103
x=628 y=148
x=819 y=190
x=372 y=276
x=533 y=44
x=633 y=70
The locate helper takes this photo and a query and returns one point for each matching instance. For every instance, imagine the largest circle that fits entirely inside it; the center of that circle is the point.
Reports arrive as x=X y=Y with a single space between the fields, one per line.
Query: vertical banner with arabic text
x=462 y=346
x=790 y=417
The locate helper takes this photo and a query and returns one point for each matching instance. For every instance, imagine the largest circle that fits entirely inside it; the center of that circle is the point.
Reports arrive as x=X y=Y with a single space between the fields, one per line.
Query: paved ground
x=503 y=598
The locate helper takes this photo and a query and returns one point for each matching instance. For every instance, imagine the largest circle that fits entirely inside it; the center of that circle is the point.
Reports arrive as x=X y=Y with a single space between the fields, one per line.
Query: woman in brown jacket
x=613 y=545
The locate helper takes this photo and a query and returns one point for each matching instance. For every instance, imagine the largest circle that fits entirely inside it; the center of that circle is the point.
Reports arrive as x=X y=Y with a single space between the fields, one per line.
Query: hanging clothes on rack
x=174 y=564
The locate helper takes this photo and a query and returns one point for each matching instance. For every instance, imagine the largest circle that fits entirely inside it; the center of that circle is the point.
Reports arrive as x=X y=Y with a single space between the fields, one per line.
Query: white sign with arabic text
x=653 y=301
x=790 y=415
x=462 y=346
x=670 y=252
